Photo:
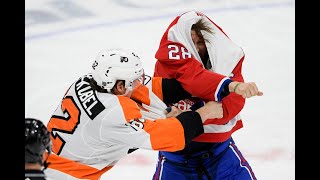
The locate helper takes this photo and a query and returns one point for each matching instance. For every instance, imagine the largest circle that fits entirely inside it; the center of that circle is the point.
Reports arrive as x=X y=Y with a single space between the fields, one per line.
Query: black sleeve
x=173 y=91
x=192 y=124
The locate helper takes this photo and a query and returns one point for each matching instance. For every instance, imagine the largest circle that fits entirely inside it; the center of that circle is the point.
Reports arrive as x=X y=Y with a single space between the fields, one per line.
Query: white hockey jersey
x=92 y=131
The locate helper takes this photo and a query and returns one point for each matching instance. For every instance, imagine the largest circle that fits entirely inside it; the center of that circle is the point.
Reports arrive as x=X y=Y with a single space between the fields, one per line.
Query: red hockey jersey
x=177 y=58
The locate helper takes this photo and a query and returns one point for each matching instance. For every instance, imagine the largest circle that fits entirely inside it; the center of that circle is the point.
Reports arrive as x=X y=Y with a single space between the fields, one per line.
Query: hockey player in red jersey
x=195 y=51
x=109 y=113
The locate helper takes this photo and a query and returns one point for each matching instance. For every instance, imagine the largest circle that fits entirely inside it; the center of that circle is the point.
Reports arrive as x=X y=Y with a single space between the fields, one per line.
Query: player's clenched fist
x=246 y=90
x=172 y=111
x=211 y=110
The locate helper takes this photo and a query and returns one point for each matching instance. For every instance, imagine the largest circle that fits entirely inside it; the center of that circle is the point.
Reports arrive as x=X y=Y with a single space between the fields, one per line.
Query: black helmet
x=37 y=140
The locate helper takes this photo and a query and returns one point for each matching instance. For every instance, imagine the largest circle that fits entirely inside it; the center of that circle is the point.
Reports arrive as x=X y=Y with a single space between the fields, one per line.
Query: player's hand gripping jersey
x=92 y=131
x=178 y=58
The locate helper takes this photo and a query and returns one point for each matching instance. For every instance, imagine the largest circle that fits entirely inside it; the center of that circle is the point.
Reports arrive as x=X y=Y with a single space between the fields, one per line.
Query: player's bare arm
x=246 y=90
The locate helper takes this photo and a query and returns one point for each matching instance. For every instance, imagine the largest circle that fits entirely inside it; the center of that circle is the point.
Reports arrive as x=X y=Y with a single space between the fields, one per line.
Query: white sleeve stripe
x=215 y=128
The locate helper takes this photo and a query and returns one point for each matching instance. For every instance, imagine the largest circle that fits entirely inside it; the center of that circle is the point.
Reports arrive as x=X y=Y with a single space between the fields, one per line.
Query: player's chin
x=128 y=93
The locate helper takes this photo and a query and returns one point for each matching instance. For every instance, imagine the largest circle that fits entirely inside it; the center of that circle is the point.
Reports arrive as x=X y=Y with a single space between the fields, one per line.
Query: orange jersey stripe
x=75 y=169
x=141 y=94
x=130 y=108
x=157 y=87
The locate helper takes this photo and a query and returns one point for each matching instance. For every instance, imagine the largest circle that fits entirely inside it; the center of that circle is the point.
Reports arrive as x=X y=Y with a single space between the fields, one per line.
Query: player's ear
x=119 y=88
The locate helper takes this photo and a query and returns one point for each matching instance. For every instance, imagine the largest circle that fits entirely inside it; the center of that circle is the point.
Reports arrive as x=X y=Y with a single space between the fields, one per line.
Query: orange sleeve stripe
x=130 y=108
x=75 y=169
x=165 y=134
x=157 y=87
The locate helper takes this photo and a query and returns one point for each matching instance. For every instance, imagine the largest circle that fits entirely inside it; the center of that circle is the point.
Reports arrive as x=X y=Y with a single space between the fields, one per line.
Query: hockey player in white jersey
x=110 y=112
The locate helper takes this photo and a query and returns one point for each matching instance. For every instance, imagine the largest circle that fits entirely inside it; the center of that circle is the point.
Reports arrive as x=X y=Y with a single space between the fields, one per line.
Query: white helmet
x=117 y=64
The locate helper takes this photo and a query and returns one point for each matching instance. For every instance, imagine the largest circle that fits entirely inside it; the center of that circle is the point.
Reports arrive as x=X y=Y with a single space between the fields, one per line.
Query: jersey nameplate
x=88 y=98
